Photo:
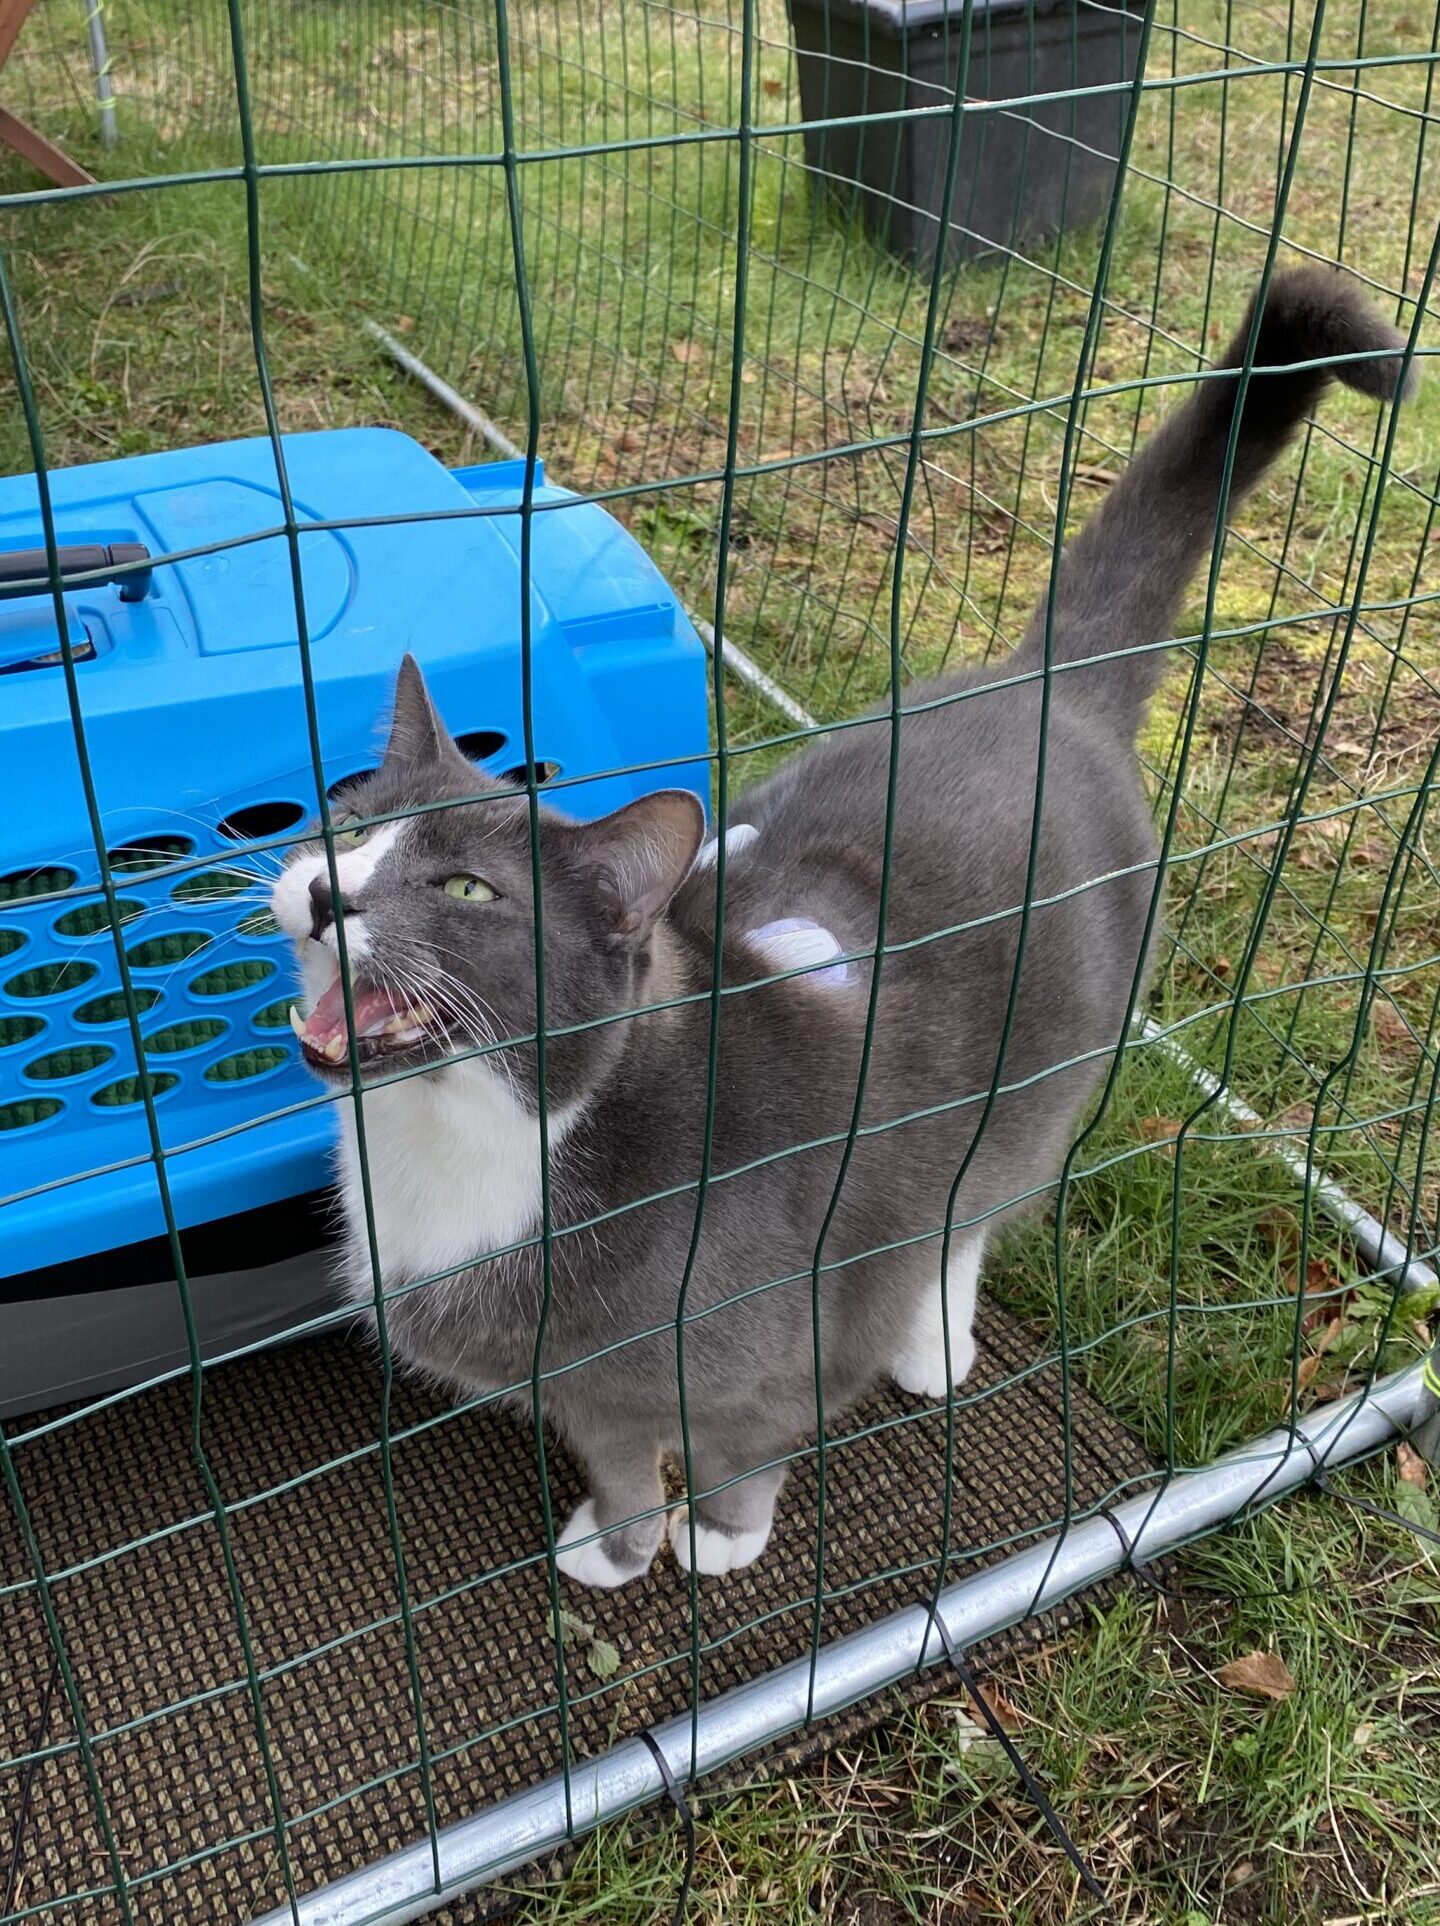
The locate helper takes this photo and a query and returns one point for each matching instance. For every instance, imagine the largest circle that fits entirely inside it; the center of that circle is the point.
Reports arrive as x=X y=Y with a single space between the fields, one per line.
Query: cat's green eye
x=469 y=889
x=349 y=834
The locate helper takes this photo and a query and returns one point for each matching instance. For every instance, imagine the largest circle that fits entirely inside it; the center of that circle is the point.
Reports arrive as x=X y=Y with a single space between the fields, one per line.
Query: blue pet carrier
x=196 y=730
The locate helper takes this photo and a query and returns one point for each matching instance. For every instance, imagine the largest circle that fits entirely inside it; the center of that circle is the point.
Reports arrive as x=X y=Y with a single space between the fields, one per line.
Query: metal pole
x=1382 y=1250
x=525 y=1826
x=100 y=61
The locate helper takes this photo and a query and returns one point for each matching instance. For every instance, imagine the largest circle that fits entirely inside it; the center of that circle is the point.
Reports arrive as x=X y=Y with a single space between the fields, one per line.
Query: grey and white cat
x=438 y=920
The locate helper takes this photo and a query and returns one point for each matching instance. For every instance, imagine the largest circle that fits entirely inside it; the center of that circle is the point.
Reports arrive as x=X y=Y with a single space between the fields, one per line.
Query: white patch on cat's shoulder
x=454 y=1163
x=800 y=943
x=290 y=898
x=589 y=1564
x=738 y=837
x=716 y=1552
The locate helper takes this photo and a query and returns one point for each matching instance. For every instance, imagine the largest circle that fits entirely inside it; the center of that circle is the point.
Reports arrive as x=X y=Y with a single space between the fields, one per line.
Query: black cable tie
x=1383 y=1512
x=687 y=1820
x=1033 y=1788
x=1144 y=1572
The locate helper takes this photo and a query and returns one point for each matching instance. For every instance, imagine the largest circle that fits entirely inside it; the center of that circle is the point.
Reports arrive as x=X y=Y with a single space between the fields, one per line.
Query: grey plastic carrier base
x=55 y=1350
x=1024 y=172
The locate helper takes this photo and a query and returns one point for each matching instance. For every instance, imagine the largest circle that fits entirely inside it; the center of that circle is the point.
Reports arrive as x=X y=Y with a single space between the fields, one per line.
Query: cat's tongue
x=376 y=1012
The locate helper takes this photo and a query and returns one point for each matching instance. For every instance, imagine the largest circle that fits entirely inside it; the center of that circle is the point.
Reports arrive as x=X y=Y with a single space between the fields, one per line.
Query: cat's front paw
x=716 y=1551
x=922 y=1372
x=595 y=1563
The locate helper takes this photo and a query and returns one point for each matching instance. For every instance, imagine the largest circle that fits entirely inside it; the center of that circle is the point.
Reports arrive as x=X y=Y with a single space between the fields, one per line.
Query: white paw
x=922 y=1373
x=716 y=1552
x=589 y=1564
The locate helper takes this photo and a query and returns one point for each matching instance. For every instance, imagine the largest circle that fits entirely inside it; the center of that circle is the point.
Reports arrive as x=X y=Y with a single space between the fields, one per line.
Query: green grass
x=1191 y=1804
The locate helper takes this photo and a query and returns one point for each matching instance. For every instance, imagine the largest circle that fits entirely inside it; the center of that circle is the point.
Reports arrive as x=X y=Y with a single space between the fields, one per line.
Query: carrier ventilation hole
x=230 y=977
x=159 y=952
x=111 y=1009
x=19 y=1029
x=10 y=941
x=185 y=1036
x=128 y=1090
x=247 y=1063
x=258 y=923
x=148 y=852
x=23 y=883
x=544 y=772
x=261 y=819
x=480 y=744
x=51 y=979
x=91 y=918
x=212 y=886
x=34 y=1110
x=275 y=1016
x=73 y=1062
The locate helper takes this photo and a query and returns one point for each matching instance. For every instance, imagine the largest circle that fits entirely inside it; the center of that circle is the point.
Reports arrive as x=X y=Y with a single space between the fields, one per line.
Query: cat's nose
x=322 y=907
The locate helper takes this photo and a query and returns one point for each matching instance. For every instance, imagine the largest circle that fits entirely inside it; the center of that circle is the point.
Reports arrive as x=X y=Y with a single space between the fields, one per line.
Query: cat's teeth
x=335 y=1049
x=297 y=1022
x=404 y=1021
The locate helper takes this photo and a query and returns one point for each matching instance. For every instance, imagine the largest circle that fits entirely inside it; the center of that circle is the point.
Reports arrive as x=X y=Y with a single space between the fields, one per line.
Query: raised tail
x=1123 y=579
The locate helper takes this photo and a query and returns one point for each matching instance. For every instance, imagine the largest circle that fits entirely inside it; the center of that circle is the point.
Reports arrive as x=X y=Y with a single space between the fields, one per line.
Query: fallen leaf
x=573 y=1626
x=1006 y=1717
x=1410 y=1467
x=1280 y=1229
x=1362 y=1735
x=1336 y=1388
x=1328 y=1334
x=1160 y=1130
x=773 y=87
x=687 y=351
x=603 y=1659
x=1261 y=1675
x=1305 y=1375
x=405 y=323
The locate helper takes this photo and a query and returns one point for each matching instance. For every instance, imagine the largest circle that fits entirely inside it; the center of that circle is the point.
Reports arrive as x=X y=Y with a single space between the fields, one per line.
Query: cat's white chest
x=454 y=1169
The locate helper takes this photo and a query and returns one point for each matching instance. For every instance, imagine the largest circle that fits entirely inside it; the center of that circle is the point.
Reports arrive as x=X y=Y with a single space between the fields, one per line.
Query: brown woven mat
x=151 y=1632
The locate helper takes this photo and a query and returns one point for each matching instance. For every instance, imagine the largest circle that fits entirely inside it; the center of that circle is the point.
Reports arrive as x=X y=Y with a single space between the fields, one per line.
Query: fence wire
x=618 y=232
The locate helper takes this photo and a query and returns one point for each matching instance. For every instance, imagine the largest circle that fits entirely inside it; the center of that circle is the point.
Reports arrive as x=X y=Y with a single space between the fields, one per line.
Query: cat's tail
x=1123 y=579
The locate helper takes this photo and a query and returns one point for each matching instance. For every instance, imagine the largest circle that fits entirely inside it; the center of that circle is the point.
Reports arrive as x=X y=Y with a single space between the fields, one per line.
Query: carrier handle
x=81 y=558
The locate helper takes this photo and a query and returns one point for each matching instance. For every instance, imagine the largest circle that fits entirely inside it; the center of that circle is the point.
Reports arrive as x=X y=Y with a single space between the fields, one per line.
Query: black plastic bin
x=1023 y=172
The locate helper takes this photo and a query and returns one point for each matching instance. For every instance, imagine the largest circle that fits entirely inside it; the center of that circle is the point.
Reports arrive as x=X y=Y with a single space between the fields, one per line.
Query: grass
x=1191 y=1804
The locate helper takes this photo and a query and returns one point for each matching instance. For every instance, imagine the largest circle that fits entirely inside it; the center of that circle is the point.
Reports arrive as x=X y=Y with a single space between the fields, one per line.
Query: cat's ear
x=418 y=738
x=640 y=855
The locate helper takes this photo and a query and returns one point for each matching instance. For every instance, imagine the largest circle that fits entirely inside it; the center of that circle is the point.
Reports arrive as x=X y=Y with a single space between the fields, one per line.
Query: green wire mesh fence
x=701 y=277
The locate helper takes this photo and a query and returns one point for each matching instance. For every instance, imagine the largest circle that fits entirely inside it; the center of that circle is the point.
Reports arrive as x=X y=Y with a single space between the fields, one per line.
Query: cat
x=438 y=919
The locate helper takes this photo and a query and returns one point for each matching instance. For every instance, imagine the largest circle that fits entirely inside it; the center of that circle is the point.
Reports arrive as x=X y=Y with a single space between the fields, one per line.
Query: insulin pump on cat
x=481 y=1205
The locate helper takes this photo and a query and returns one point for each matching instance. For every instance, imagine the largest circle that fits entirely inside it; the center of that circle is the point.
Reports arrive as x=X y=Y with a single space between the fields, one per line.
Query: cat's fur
x=454 y=1153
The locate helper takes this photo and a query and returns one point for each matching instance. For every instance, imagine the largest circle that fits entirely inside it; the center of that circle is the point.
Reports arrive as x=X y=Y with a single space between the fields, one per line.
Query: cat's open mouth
x=385 y=1023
